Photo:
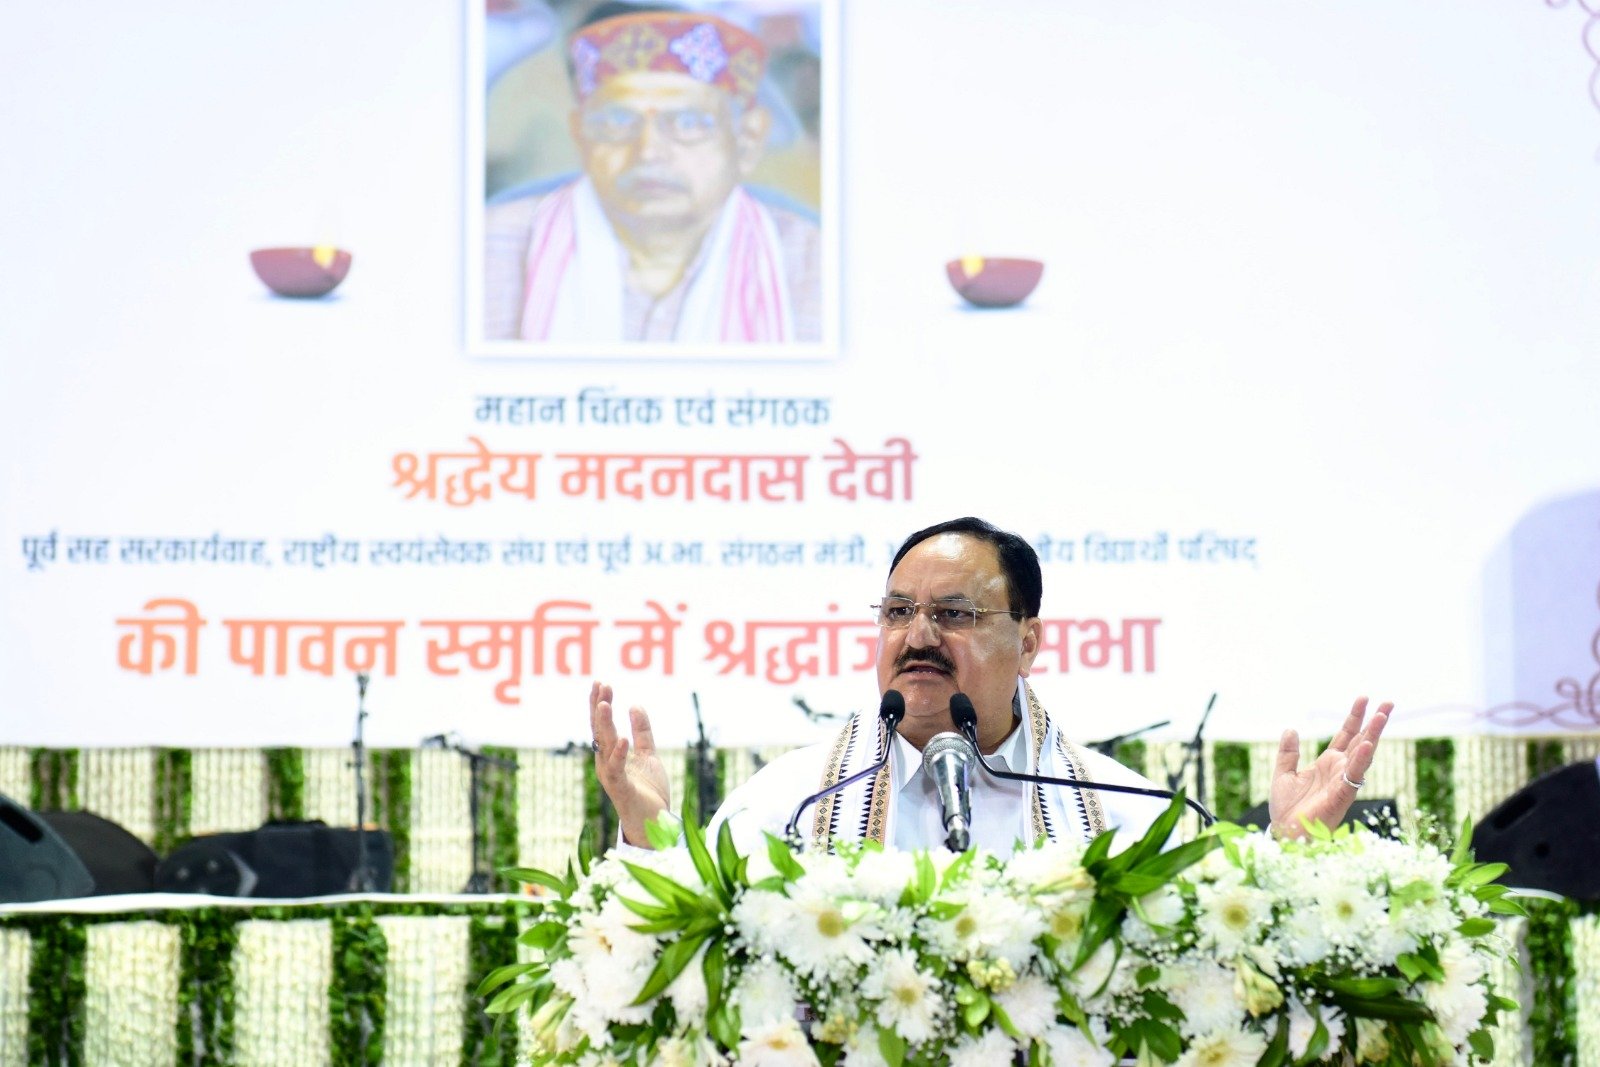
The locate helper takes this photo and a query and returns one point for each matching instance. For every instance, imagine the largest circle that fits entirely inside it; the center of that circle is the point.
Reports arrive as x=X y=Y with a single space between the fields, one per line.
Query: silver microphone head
x=947 y=745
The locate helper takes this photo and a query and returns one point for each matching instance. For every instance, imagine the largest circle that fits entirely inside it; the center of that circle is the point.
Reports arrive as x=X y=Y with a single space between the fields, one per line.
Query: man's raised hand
x=1324 y=791
x=631 y=774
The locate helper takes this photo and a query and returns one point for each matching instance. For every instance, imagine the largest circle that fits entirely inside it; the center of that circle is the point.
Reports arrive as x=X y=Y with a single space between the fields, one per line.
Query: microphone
x=891 y=709
x=966 y=720
x=947 y=759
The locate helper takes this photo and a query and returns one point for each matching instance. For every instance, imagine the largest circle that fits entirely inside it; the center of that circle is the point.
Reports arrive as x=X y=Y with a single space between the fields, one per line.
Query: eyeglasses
x=955 y=613
x=615 y=124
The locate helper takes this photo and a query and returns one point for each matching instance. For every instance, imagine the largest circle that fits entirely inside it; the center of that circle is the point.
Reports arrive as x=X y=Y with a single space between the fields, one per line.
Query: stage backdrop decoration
x=1233 y=948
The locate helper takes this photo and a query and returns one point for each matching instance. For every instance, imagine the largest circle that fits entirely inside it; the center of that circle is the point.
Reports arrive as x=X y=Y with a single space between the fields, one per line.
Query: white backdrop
x=1319 y=278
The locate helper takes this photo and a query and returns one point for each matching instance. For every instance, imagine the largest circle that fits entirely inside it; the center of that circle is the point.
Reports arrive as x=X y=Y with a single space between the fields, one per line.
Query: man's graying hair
x=1019 y=562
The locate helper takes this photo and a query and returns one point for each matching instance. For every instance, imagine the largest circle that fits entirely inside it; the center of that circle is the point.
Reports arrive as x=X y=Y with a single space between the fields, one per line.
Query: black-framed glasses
x=952 y=613
x=615 y=124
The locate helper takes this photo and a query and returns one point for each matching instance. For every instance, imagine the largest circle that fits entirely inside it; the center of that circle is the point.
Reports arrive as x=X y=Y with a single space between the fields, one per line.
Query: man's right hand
x=632 y=775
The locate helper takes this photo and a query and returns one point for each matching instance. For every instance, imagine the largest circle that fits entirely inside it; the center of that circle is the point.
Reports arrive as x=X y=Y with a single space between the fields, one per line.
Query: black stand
x=1195 y=750
x=361 y=879
x=1108 y=747
x=707 y=794
x=481 y=877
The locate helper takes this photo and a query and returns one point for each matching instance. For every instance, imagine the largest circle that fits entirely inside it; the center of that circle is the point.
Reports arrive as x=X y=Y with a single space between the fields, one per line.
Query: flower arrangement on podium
x=1232 y=949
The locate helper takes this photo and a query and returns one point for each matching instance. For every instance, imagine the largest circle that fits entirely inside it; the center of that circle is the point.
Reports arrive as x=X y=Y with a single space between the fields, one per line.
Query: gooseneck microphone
x=965 y=717
x=947 y=759
x=891 y=709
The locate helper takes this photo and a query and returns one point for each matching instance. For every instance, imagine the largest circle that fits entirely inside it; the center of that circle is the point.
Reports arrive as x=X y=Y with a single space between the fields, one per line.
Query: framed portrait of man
x=652 y=181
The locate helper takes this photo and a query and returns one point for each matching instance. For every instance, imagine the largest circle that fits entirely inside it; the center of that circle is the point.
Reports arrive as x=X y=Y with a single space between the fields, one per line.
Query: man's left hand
x=1323 y=792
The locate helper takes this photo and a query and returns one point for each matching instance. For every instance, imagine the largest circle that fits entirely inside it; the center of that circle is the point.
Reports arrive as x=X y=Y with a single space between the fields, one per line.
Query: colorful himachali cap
x=704 y=47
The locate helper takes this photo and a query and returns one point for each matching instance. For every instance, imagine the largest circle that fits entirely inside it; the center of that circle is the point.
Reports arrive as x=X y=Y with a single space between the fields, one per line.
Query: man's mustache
x=931 y=656
x=651 y=176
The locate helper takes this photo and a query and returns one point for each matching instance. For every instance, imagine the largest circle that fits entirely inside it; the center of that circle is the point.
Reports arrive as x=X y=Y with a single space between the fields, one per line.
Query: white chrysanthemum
x=1460 y=1001
x=1232 y=916
x=1301 y=938
x=989 y=926
x=1217 y=869
x=985 y=1051
x=1069 y=1048
x=825 y=935
x=907 y=997
x=606 y=937
x=1348 y=911
x=765 y=994
x=762 y=917
x=862 y=1049
x=1386 y=941
x=1204 y=992
x=1228 y=1047
x=1030 y=1004
x=777 y=1044
x=1050 y=870
x=1303 y=1025
x=688 y=991
x=883 y=876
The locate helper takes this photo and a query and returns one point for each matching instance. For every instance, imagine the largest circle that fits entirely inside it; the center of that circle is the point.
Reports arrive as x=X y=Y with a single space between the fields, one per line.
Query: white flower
x=1204 y=992
x=1228 y=1047
x=1096 y=970
x=765 y=995
x=1053 y=869
x=1030 y=1004
x=688 y=991
x=1349 y=911
x=1069 y=1048
x=907 y=997
x=1459 y=1002
x=1231 y=916
x=824 y=934
x=991 y=1048
x=862 y=1049
x=1303 y=1025
x=760 y=917
x=884 y=875
x=1301 y=938
x=777 y=1044
x=687 y=1052
x=989 y=925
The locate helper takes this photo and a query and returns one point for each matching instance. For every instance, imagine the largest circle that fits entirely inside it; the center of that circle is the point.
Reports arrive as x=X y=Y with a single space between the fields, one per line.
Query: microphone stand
x=1108 y=747
x=361 y=880
x=890 y=712
x=1196 y=751
x=477 y=760
x=707 y=794
x=966 y=720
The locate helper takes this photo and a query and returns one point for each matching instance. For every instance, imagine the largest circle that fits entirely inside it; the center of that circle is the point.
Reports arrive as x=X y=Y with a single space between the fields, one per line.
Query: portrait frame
x=519 y=146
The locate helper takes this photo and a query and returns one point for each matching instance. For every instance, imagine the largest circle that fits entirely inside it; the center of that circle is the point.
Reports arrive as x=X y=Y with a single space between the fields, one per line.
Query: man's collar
x=1012 y=755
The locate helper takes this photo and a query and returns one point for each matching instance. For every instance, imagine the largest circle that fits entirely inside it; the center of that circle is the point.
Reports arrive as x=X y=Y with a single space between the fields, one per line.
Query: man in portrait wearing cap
x=658 y=239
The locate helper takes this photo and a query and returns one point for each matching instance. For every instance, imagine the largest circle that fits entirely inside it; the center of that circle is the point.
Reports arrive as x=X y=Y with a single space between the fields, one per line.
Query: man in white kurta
x=960 y=614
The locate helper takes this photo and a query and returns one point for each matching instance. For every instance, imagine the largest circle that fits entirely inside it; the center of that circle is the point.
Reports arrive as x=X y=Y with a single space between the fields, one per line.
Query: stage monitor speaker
x=280 y=860
x=35 y=863
x=1548 y=833
x=117 y=861
x=1380 y=815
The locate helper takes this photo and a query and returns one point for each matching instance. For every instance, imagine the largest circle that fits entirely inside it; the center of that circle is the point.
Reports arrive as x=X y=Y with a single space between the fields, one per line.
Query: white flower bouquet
x=1232 y=949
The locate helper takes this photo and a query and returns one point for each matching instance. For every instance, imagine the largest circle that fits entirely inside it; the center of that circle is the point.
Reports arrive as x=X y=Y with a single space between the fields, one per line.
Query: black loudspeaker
x=280 y=860
x=35 y=864
x=1380 y=815
x=117 y=861
x=1548 y=833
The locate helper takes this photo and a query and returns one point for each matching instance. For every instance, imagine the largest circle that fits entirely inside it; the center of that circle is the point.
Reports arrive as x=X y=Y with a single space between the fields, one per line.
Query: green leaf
x=663 y=888
x=728 y=857
x=974 y=1013
x=555 y=883
x=1167 y=865
x=673 y=959
x=1508 y=906
x=650 y=912
x=1462 y=853
x=1397 y=1008
x=1365 y=987
x=501 y=975
x=1416 y=967
x=782 y=858
x=1278 y=1048
x=1478 y=874
x=1317 y=1047
x=1097 y=851
x=705 y=866
x=713 y=967
x=585 y=850
x=1147 y=974
x=1476 y=927
x=663 y=831
x=1004 y=1021
x=1482 y=1044
x=956 y=870
x=543 y=935
x=891 y=1046
x=723 y=1024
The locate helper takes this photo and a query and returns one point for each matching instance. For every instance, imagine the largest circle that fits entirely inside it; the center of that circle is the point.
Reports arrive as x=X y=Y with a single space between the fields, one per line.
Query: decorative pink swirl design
x=1591 y=42
x=1581 y=709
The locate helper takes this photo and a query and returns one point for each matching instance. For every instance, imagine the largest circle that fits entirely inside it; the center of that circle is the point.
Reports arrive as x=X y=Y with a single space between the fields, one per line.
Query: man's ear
x=1032 y=634
x=751 y=137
